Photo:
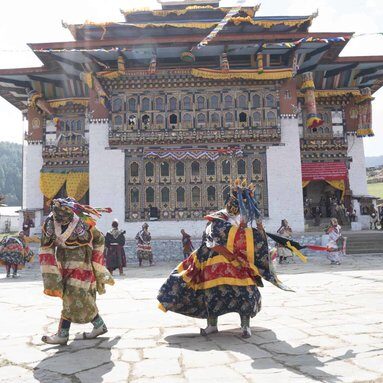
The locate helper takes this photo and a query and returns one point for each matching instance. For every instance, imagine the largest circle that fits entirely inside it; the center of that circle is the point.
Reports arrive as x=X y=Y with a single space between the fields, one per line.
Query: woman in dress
x=224 y=273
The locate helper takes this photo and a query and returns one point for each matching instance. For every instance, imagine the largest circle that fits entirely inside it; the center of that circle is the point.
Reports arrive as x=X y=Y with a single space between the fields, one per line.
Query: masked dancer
x=224 y=273
x=72 y=265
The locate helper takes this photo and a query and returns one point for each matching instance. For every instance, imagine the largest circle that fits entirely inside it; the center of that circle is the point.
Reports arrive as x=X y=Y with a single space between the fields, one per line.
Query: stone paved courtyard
x=330 y=330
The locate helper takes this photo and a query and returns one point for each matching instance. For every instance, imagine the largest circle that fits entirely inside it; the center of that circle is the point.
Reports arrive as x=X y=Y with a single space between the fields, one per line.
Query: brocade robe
x=74 y=269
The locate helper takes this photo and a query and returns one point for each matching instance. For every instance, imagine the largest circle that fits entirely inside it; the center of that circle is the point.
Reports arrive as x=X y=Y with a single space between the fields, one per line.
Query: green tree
x=11 y=172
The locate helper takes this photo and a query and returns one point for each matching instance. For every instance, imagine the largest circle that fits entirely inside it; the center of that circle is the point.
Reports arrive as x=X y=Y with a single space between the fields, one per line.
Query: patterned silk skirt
x=207 y=284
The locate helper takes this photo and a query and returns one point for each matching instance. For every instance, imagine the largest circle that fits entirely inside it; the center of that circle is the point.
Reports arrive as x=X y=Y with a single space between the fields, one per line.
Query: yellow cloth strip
x=65 y=101
x=231 y=237
x=365 y=132
x=77 y=184
x=162 y=308
x=51 y=183
x=333 y=92
x=243 y=74
x=223 y=281
x=296 y=252
x=270 y=23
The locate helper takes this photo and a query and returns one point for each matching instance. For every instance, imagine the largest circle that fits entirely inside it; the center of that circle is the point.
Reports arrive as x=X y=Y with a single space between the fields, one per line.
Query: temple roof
x=169 y=32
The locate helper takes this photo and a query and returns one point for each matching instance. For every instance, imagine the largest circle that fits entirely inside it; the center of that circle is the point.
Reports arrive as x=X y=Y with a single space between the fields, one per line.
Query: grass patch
x=375 y=189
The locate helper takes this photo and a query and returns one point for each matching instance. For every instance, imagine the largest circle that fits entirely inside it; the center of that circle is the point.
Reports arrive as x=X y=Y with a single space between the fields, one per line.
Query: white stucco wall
x=32 y=164
x=106 y=175
x=357 y=171
x=284 y=179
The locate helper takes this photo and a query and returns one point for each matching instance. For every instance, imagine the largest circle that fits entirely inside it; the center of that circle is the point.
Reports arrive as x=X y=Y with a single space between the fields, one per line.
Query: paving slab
x=330 y=330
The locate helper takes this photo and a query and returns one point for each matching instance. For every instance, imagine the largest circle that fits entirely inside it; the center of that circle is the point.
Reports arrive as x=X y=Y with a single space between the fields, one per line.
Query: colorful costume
x=14 y=253
x=144 y=248
x=72 y=265
x=187 y=245
x=337 y=243
x=283 y=252
x=224 y=274
x=114 y=252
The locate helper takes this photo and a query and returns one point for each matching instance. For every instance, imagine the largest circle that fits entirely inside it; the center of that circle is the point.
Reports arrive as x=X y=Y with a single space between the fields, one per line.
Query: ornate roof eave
x=250 y=11
x=265 y=23
x=252 y=74
x=326 y=93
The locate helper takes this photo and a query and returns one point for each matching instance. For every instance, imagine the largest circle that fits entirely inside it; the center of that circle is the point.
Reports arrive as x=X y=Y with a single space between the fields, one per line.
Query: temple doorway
x=323 y=200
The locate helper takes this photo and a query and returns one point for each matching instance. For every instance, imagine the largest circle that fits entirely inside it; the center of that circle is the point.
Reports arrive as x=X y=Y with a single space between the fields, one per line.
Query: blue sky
x=25 y=21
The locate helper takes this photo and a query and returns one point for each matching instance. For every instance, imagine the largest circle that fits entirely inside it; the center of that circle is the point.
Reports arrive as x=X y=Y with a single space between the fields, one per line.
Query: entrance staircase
x=364 y=242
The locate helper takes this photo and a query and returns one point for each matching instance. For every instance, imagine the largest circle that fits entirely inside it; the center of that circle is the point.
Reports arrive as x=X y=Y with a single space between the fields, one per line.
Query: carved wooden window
x=257 y=167
x=242 y=101
x=117 y=105
x=258 y=194
x=187 y=103
x=164 y=169
x=215 y=118
x=134 y=195
x=132 y=105
x=132 y=120
x=226 y=167
x=145 y=104
x=257 y=118
x=145 y=119
x=180 y=169
x=214 y=102
x=242 y=117
x=210 y=168
x=160 y=120
x=165 y=195
x=73 y=125
x=241 y=167
x=270 y=101
x=195 y=168
x=159 y=103
x=180 y=194
x=196 y=195
x=256 y=102
x=229 y=119
x=134 y=169
x=149 y=169
x=228 y=101
x=200 y=102
x=173 y=119
x=79 y=125
x=187 y=120
x=201 y=119
x=118 y=120
x=173 y=103
x=211 y=193
x=149 y=195
x=271 y=119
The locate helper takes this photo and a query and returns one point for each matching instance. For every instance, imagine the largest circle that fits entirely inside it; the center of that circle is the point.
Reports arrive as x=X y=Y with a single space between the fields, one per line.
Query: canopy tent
x=334 y=173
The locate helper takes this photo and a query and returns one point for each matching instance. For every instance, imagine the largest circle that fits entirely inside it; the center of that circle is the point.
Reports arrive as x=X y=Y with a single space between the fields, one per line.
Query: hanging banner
x=217 y=29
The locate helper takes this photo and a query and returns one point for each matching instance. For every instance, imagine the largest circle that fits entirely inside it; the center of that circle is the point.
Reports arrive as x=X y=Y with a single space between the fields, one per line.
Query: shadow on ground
x=266 y=351
x=85 y=361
